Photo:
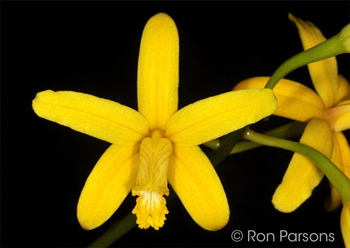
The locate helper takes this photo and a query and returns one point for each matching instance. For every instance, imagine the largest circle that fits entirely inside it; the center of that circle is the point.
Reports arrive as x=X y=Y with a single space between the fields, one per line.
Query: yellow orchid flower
x=327 y=113
x=158 y=143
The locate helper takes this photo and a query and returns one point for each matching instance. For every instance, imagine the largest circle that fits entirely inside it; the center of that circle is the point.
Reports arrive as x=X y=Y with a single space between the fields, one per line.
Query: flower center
x=151 y=182
x=338 y=117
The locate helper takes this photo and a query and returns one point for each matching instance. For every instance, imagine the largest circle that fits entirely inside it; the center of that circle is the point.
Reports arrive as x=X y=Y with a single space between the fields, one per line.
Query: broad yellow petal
x=345 y=224
x=195 y=181
x=341 y=158
x=97 y=117
x=215 y=116
x=343 y=90
x=108 y=184
x=158 y=71
x=302 y=175
x=344 y=152
x=323 y=73
x=295 y=101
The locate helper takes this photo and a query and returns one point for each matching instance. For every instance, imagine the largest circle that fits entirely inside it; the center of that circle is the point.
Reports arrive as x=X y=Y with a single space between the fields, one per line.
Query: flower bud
x=345 y=37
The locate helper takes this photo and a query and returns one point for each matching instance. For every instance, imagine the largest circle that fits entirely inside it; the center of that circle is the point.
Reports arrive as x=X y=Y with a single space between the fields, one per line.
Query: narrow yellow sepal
x=158 y=71
x=295 y=101
x=343 y=89
x=196 y=183
x=323 y=73
x=216 y=116
x=302 y=175
x=107 y=186
x=94 y=116
x=341 y=158
x=345 y=224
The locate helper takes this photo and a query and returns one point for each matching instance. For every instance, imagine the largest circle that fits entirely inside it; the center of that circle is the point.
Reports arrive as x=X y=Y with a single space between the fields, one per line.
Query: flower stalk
x=287 y=131
x=115 y=231
x=224 y=146
x=338 y=44
x=335 y=176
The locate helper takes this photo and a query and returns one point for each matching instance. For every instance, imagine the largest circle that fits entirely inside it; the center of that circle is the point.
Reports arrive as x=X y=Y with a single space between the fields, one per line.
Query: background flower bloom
x=157 y=144
x=327 y=113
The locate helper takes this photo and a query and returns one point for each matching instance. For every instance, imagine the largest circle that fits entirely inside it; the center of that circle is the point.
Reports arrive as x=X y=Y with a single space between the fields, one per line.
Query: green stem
x=340 y=181
x=225 y=146
x=115 y=231
x=329 y=48
x=287 y=131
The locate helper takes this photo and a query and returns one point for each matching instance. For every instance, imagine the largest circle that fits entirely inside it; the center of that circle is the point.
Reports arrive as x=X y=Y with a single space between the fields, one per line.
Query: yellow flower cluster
x=159 y=144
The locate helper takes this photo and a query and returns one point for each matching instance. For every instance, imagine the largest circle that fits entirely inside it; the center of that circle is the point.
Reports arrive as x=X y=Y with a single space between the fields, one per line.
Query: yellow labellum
x=151 y=183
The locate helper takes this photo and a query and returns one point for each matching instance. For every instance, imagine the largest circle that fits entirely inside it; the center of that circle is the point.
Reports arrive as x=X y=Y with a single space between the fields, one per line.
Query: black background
x=92 y=47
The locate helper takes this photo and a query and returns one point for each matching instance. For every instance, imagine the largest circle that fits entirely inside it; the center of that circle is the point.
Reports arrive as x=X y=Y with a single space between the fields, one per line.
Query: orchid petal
x=295 y=101
x=97 y=117
x=302 y=175
x=158 y=70
x=341 y=158
x=345 y=224
x=323 y=73
x=196 y=183
x=216 y=116
x=107 y=186
x=343 y=89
